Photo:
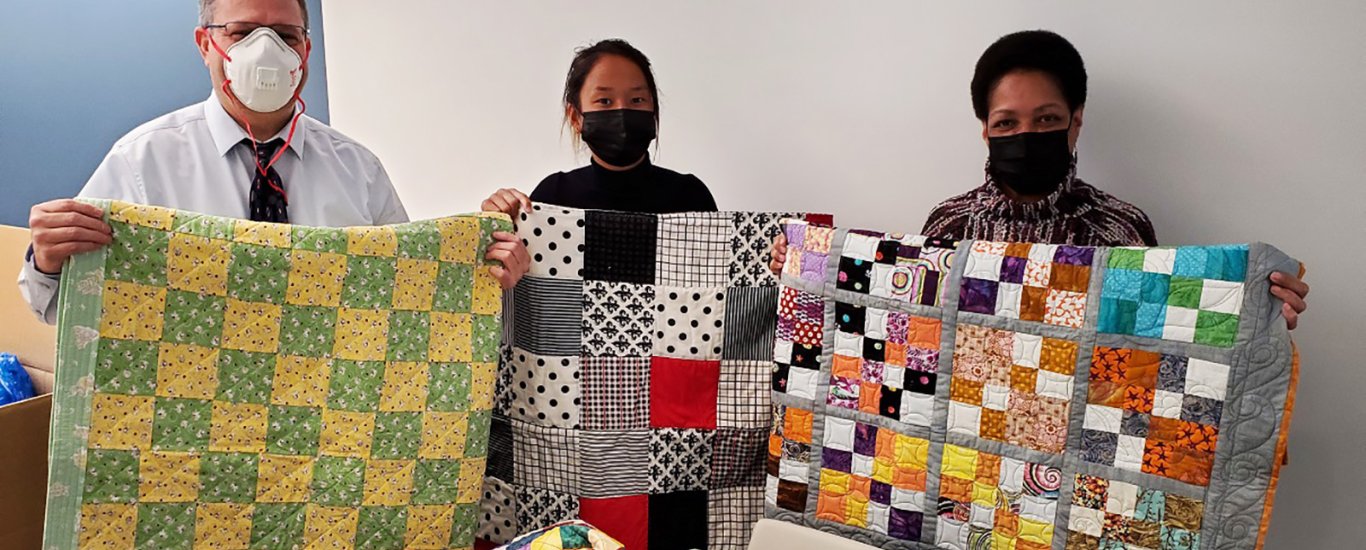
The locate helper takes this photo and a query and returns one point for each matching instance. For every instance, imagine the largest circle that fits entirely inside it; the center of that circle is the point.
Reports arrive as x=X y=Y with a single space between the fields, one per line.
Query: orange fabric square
x=1007 y=523
x=966 y=391
x=869 y=397
x=885 y=445
x=1018 y=250
x=1058 y=356
x=988 y=468
x=1023 y=379
x=1033 y=303
x=1142 y=367
x=957 y=490
x=907 y=477
x=1190 y=466
x=924 y=332
x=830 y=507
x=797 y=425
x=1109 y=364
x=1070 y=277
x=993 y=425
x=1110 y=394
x=1138 y=399
x=895 y=354
x=861 y=486
x=846 y=367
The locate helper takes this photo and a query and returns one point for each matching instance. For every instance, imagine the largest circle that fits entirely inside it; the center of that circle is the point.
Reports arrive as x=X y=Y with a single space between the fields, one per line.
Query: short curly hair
x=1040 y=50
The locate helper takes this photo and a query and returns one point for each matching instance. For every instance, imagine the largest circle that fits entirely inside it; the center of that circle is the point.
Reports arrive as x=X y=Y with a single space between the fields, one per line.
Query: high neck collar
x=628 y=179
x=1063 y=201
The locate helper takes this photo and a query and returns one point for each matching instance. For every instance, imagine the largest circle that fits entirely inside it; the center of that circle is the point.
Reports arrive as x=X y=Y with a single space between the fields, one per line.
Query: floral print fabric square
x=1012 y=387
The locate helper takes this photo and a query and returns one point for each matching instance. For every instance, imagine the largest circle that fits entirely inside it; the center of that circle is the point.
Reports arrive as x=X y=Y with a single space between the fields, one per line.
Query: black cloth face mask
x=619 y=137
x=1031 y=163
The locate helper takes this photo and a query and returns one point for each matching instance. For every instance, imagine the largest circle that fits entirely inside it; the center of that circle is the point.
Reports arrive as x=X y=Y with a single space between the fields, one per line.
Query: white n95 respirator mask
x=262 y=71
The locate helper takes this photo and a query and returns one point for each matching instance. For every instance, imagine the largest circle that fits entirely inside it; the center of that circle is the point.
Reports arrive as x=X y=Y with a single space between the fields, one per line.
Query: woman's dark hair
x=1042 y=51
x=586 y=58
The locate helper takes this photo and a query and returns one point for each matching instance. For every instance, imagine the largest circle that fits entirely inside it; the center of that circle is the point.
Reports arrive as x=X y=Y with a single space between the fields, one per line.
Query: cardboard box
x=23 y=425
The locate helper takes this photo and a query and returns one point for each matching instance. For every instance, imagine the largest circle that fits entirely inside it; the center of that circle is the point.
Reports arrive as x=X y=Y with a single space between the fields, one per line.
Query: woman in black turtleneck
x=610 y=101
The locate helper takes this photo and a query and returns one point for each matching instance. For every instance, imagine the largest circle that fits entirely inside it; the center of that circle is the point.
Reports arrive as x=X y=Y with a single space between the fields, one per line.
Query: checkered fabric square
x=694 y=249
x=235 y=384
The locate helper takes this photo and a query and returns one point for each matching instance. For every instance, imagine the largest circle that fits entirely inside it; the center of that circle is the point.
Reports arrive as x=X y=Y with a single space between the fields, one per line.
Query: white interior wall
x=1226 y=121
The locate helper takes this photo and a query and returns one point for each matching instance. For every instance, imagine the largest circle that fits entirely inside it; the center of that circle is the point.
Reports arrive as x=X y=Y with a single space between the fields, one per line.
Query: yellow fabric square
x=405 y=387
x=835 y=482
x=482 y=379
x=984 y=494
x=187 y=371
x=388 y=482
x=238 y=428
x=371 y=241
x=261 y=233
x=429 y=526
x=132 y=311
x=121 y=421
x=198 y=264
x=1034 y=531
x=1002 y=541
x=141 y=214
x=362 y=335
x=471 y=480
x=450 y=339
x=458 y=236
x=856 y=509
x=315 y=278
x=301 y=381
x=283 y=478
x=960 y=462
x=487 y=296
x=108 y=526
x=347 y=433
x=443 y=435
x=251 y=326
x=912 y=452
x=415 y=284
x=225 y=526
x=330 y=527
x=883 y=470
x=168 y=476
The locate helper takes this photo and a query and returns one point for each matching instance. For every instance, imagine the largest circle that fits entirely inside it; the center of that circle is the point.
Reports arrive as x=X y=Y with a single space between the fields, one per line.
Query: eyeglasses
x=293 y=35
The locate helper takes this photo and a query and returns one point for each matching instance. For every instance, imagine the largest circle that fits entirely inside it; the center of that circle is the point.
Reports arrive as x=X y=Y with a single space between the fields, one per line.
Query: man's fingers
x=53 y=237
x=1290 y=298
x=1292 y=319
x=1295 y=284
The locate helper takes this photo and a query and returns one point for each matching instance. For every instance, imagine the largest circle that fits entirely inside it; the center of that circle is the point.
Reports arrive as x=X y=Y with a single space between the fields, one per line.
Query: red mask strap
x=214 y=43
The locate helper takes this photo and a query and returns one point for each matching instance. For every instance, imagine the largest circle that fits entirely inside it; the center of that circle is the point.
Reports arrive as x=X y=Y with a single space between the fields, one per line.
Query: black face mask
x=1031 y=163
x=619 y=137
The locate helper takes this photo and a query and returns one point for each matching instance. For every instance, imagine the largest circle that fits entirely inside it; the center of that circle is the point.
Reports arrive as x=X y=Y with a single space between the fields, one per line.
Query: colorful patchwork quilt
x=931 y=393
x=231 y=384
x=633 y=392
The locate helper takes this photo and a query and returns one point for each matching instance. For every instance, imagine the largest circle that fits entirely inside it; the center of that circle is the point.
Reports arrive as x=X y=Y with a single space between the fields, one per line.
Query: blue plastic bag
x=15 y=385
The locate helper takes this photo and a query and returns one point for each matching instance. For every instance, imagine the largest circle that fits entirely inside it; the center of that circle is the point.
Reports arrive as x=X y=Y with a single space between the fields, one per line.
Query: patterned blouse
x=1076 y=214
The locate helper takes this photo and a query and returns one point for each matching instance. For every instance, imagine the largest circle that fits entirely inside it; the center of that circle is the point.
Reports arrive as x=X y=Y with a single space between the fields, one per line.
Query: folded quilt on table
x=233 y=384
x=566 y=535
x=633 y=392
x=931 y=393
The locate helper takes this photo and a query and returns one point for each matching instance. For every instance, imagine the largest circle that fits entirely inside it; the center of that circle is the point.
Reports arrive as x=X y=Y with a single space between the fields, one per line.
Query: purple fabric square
x=880 y=492
x=978 y=296
x=865 y=440
x=908 y=252
x=1074 y=255
x=904 y=525
x=787 y=329
x=930 y=289
x=835 y=459
x=843 y=392
x=810 y=308
x=796 y=235
x=898 y=326
x=1013 y=269
x=872 y=371
x=813 y=265
x=923 y=360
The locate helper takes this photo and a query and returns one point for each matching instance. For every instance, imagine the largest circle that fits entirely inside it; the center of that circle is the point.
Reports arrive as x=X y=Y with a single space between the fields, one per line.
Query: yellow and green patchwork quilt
x=232 y=384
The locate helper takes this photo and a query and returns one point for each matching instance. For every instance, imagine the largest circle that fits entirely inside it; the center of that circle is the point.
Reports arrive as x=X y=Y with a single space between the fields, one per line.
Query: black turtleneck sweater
x=645 y=188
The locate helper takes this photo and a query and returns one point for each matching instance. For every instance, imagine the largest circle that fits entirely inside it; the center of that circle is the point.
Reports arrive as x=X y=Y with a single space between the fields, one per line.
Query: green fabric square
x=448 y=387
x=165 y=526
x=1216 y=329
x=245 y=377
x=338 y=481
x=277 y=526
x=381 y=527
x=319 y=239
x=181 y=424
x=228 y=477
x=111 y=476
x=408 y=332
x=1126 y=258
x=307 y=331
x=462 y=529
x=487 y=336
x=137 y=254
x=193 y=318
x=293 y=430
x=212 y=227
x=397 y=435
x=436 y=481
x=477 y=439
x=1185 y=292
x=487 y=227
x=247 y=277
x=421 y=240
x=369 y=283
x=126 y=366
x=355 y=385
x=455 y=287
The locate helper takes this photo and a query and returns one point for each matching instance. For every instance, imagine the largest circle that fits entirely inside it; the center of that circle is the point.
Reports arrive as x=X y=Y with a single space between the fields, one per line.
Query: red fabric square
x=683 y=393
x=626 y=519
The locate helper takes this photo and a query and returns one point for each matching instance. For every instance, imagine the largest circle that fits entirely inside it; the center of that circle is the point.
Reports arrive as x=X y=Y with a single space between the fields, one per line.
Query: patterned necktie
x=267 y=202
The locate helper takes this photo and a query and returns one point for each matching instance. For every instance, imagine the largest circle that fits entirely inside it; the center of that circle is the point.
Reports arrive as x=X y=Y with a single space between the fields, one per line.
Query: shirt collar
x=227 y=134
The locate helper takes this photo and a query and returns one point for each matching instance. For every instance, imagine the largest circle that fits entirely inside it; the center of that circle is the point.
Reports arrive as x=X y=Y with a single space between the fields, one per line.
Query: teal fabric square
x=1117 y=316
x=1150 y=320
x=1190 y=262
x=1123 y=284
x=1155 y=288
x=1226 y=263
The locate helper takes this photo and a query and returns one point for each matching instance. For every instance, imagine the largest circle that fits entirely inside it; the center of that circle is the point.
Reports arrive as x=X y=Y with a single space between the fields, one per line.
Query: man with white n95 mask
x=248 y=152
